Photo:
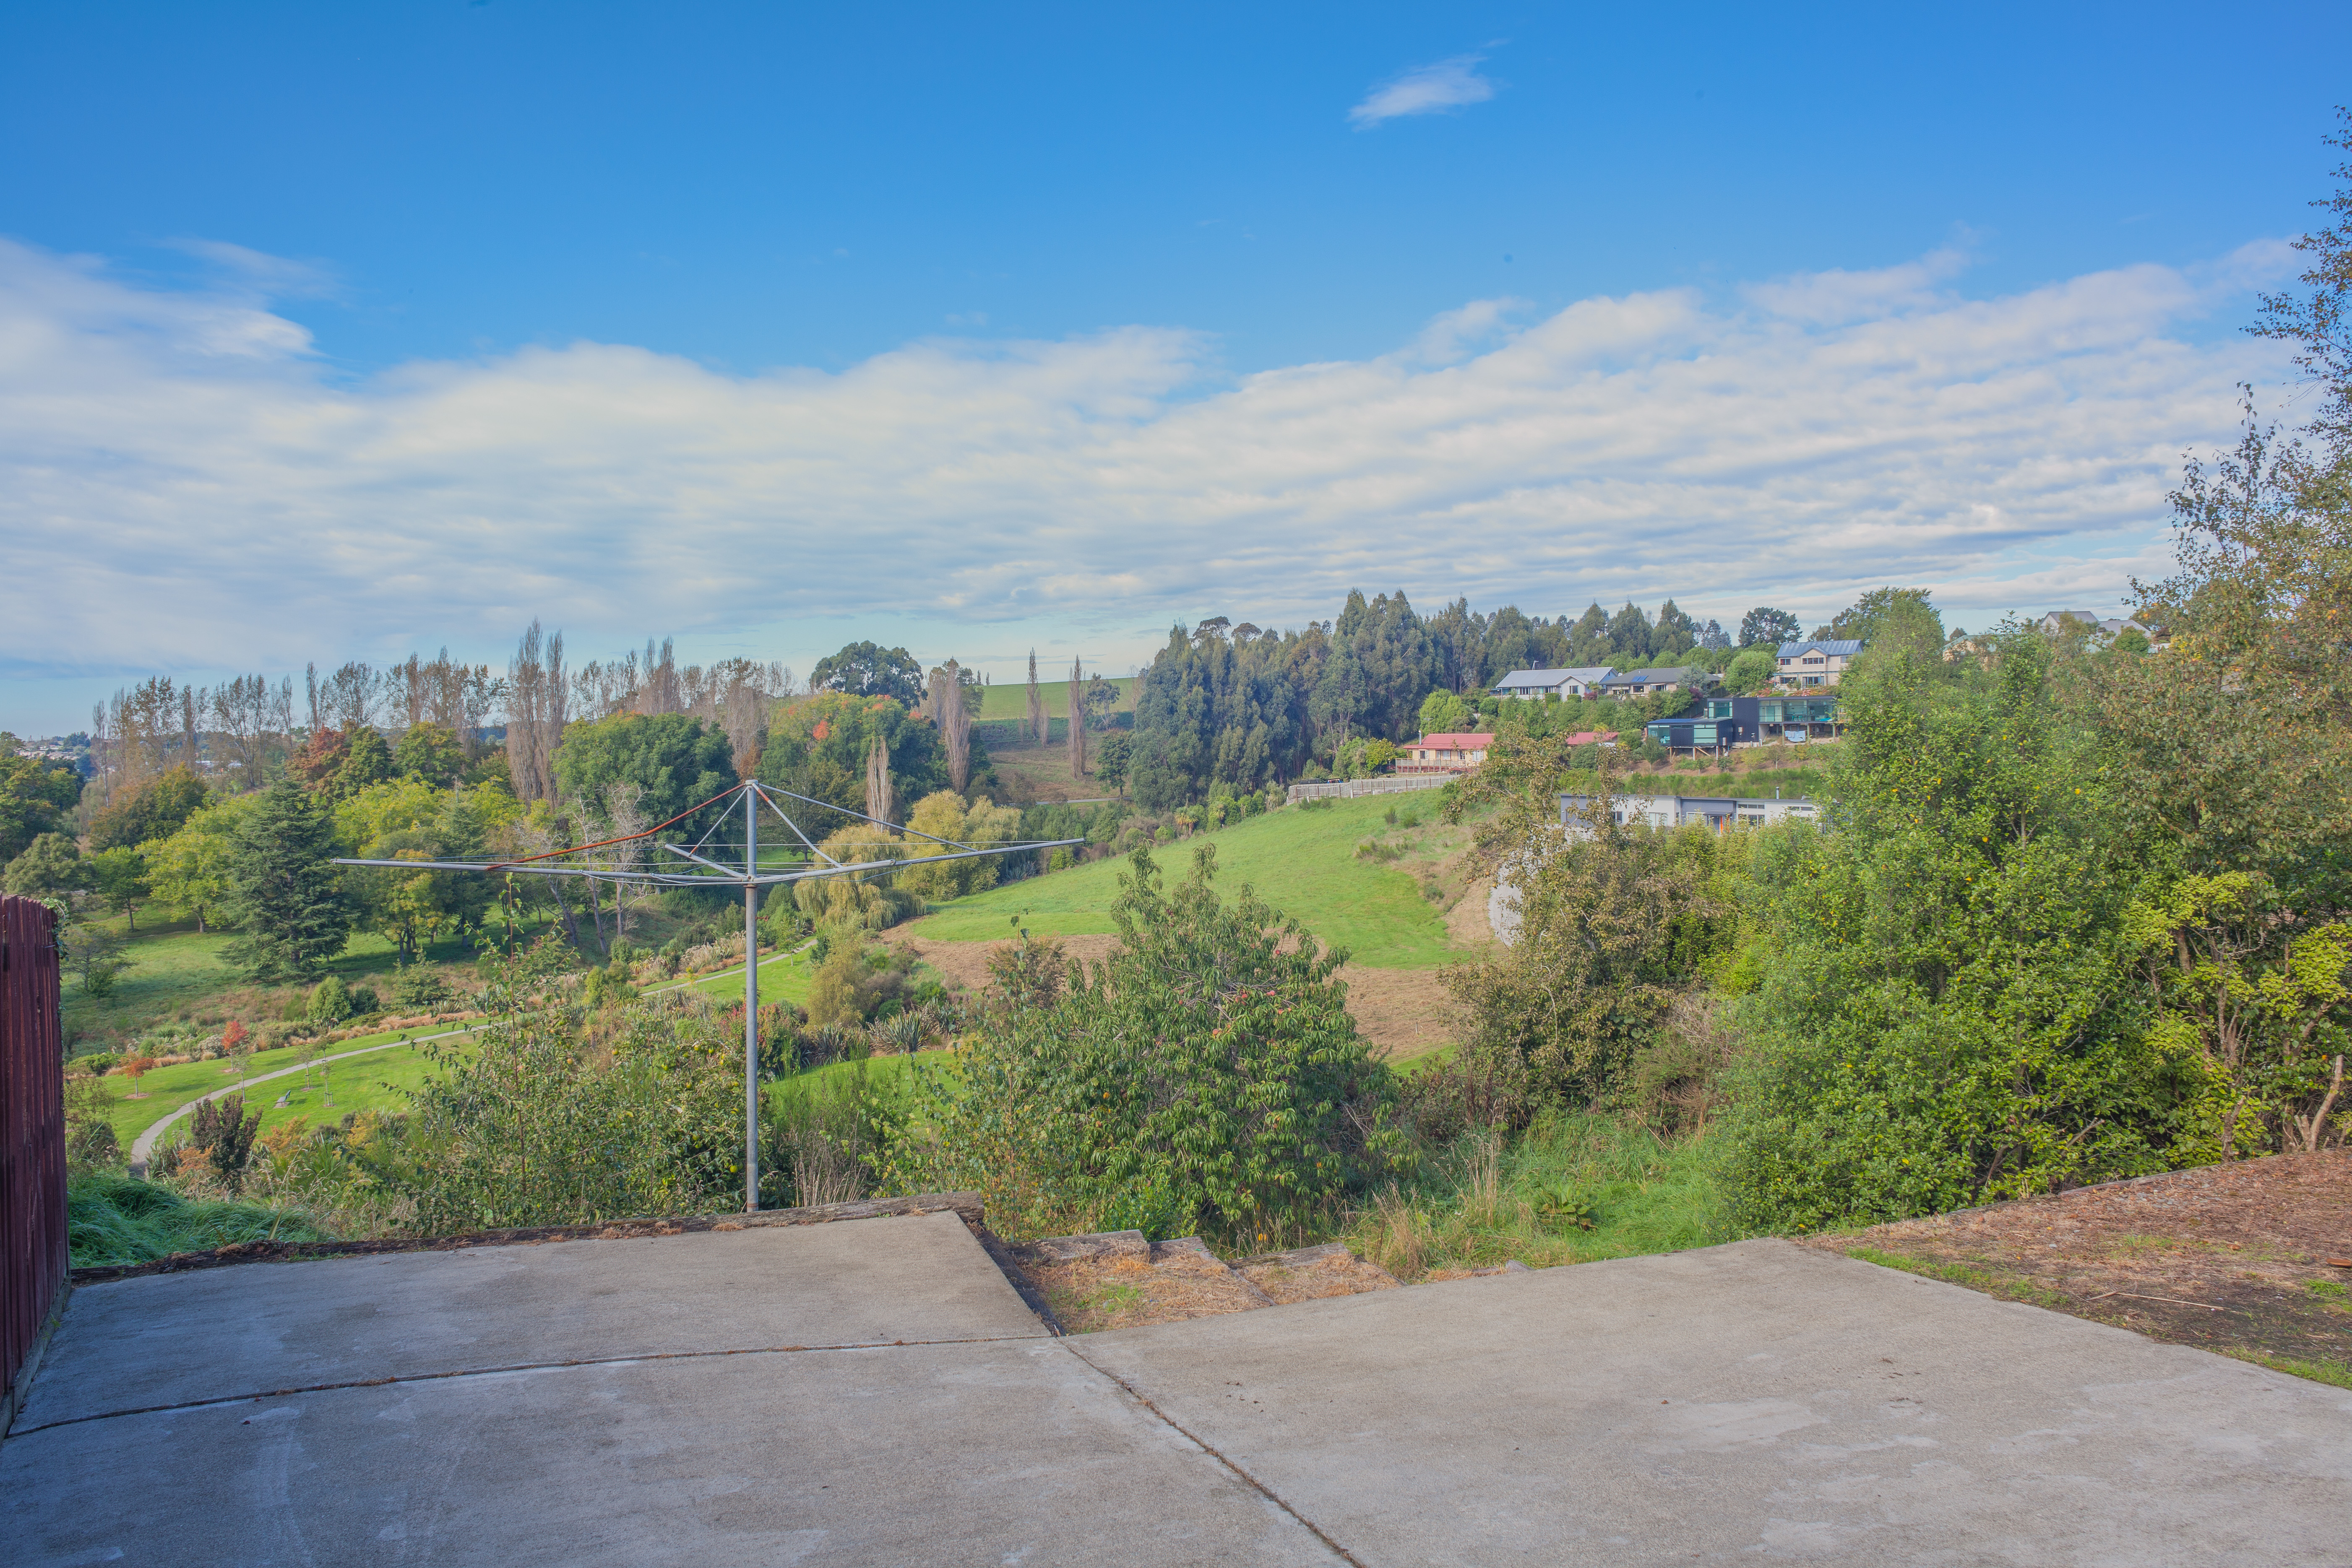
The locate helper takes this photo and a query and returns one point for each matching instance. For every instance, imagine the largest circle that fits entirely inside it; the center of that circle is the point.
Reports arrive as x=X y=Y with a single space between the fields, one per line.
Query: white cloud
x=183 y=486
x=1424 y=90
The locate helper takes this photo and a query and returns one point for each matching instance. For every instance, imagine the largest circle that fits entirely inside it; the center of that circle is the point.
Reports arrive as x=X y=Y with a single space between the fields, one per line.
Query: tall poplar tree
x=1077 y=719
x=1037 y=721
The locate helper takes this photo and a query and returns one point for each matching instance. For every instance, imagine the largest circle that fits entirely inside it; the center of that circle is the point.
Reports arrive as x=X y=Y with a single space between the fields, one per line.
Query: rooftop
x=1588 y=673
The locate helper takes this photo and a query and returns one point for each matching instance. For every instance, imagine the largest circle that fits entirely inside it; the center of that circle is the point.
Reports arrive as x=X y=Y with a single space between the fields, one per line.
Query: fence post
x=32 y=1144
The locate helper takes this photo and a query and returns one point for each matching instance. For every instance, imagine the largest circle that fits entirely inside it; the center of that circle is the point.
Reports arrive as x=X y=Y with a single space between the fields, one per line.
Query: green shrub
x=329 y=1002
x=1201 y=1078
x=1952 y=1005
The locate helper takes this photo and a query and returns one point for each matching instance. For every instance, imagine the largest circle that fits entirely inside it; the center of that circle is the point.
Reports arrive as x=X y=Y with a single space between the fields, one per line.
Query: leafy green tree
x=366 y=760
x=34 y=798
x=52 y=865
x=1946 y=1004
x=1443 y=713
x=282 y=888
x=120 y=877
x=2235 y=744
x=190 y=868
x=1750 y=670
x=1765 y=627
x=869 y=670
x=1629 y=634
x=1674 y=635
x=1202 y=1079
x=1888 y=616
x=1588 y=638
x=153 y=811
x=1112 y=757
x=409 y=818
x=1215 y=707
x=818 y=747
x=2320 y=323
x=1614 y=922
x=673 y=760
x=431 y=752
x=1380 y=665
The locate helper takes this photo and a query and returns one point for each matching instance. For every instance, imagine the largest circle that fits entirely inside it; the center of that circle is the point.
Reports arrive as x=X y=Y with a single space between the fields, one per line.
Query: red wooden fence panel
x=32 y=1137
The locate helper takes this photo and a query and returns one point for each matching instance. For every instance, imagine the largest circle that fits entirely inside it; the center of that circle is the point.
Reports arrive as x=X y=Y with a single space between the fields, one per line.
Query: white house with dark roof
x=1819 y=663
x=1531 y=685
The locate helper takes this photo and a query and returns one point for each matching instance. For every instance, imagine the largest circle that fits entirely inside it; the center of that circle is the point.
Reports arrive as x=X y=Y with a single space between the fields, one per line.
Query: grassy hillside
x=1010 y=699
x=1303 y=863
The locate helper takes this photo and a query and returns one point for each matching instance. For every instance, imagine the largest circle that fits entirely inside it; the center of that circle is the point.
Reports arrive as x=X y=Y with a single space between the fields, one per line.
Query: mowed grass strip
x=1302 y=863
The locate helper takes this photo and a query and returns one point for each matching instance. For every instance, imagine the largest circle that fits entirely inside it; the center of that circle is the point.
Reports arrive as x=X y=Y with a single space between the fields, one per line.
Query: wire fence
x=1349 y=789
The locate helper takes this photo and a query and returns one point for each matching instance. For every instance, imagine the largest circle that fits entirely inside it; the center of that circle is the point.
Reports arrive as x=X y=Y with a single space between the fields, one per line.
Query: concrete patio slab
x=916 y=1454
x=641 y=1402
x=1758 y=1401
x=176 y=1339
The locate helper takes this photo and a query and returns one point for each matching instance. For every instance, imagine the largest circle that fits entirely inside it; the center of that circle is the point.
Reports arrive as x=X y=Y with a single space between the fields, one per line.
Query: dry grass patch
x=2253 y=1259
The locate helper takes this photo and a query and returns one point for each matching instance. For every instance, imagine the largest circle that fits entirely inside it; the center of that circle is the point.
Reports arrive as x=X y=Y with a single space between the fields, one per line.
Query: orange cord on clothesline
x=624 y=838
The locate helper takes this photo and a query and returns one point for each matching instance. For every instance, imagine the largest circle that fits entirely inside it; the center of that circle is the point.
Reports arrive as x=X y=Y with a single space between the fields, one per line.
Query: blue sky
x=360 y=328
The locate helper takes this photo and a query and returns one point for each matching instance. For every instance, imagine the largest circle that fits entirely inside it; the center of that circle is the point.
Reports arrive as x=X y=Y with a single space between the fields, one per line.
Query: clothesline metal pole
x=750 y=1001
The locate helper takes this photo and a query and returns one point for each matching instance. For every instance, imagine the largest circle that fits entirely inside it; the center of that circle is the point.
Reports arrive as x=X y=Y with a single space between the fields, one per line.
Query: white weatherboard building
x=1529 y=685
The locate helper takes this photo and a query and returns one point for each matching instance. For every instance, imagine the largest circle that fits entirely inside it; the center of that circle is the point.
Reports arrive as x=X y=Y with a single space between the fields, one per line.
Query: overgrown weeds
x=1574 y=1187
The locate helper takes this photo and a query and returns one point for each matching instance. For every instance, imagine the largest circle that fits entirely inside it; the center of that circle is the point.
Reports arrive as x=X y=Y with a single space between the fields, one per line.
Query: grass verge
x=1990 y=1284
x=115 y=1219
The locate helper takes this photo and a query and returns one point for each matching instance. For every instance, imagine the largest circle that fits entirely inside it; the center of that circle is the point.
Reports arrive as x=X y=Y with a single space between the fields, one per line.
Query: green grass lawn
x=380 y=1080
x=180 y=973
x=169 y=1088
x=783 y=979
x=1302 y=863
x=1010 y=699
x=172 y=967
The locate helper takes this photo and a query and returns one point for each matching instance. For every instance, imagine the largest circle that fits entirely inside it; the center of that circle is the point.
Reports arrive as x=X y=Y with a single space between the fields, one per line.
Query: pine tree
x=283 y=890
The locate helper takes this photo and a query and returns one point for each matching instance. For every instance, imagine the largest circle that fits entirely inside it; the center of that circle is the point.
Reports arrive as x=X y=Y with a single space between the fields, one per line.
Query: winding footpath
x=142 y=1147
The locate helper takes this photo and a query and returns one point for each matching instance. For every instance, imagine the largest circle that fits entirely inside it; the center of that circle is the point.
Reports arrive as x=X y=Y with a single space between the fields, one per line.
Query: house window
x=1812 y=680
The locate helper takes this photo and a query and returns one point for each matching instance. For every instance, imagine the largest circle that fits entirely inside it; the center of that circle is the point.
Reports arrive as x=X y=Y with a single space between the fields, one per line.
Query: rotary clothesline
x=752 y=875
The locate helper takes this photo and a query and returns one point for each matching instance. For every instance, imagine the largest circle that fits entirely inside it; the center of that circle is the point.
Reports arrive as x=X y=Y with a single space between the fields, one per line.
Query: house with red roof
x=1456 y=753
